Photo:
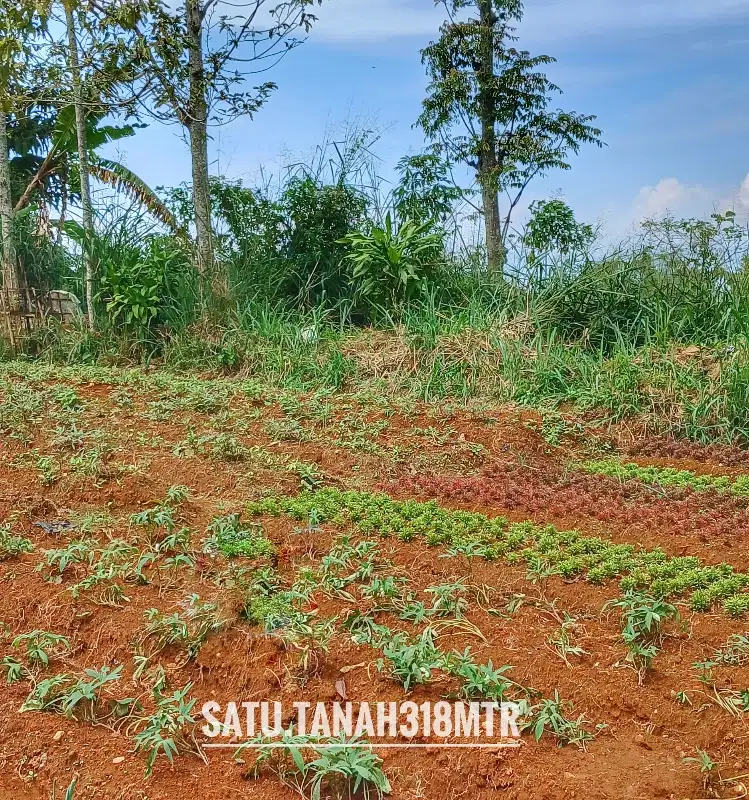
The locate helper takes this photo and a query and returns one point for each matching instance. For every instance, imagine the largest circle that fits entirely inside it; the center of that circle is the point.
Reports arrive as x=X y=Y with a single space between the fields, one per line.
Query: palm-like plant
x=392 y=264
x=58 y=168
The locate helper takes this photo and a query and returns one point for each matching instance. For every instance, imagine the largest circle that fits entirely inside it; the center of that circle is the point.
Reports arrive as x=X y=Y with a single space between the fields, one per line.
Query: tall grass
x=655 y=329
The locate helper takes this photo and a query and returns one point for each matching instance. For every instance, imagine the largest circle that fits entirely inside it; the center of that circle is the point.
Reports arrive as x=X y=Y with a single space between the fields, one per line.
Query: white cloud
x=671 y=196
x=354 y=21
x=742 y=196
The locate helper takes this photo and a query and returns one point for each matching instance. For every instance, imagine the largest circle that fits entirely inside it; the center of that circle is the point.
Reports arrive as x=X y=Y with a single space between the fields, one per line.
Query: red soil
x=639 y=753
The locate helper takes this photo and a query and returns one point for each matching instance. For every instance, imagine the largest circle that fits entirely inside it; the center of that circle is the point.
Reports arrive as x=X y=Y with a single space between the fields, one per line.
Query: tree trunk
x=80 y=127
x=197 y=121
x=487 y=160
x=495 y=248
x=11 y=272
x=63 y=205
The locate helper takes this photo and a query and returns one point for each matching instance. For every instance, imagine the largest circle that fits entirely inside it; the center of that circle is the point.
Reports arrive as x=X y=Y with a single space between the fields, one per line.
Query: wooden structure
x=24 y=310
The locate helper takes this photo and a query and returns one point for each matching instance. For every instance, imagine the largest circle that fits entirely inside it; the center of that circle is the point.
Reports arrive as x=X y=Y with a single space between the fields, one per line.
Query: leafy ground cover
x=668 y=476
x=168 y=540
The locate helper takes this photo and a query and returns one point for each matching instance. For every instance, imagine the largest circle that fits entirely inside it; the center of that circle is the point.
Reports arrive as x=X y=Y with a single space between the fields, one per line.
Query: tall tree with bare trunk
x=11 y=271
x=487 y=108
x=87 y=213
x=200 y=57
x=17 y=24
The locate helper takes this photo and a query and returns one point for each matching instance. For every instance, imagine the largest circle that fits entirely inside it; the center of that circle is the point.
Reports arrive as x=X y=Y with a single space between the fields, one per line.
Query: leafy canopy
x=488 y=103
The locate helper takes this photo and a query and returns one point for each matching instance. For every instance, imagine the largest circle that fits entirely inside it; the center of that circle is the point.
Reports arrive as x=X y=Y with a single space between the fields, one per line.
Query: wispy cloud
x=355 y=21
x=558 y=19
x=376 y=20
x=719 y=43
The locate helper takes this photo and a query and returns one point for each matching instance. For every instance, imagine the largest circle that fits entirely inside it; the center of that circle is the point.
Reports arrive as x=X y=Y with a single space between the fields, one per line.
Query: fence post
x=5 y=310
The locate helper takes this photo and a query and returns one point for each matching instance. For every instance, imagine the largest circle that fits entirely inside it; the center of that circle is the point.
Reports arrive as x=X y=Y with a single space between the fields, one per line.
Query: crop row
x=578 y=496
x=543 y=548
x=668 y=476
x=723 y=454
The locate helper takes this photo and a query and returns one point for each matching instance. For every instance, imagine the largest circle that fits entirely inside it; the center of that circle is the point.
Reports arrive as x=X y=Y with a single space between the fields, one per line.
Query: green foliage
x=412 y=662
x=70 y=695
x=14 y=670
x=287 y=247
x=425 y=191
x=188 y=631
x=337 y=766
x=383 y=588
x=229 y=536
x=562 y=640
x=145 y=280
x=281 y=614
x=12 y=546
x=550 y=716
x=392 y=264
x=66 y=397
x=75 y=552
x=555 y=428
x=358 y=768
x=287 y=430
x=166 y=731
x=128 y=183
x=645 y=618
x=273 y=609
x=547 y=550
x=39 y=646
x=218 y=446
x=317 y=217
x=736 y=605
x=553 y=229
x=735 y=652
x=449 y=599
x=481 y=681
x=708 y=769
x=680 y=281
x=594 y=336
x=137 y=291
x=45 y=264
x=347 y=563
x=162 y=518
x=20 y=408
x=667 y=476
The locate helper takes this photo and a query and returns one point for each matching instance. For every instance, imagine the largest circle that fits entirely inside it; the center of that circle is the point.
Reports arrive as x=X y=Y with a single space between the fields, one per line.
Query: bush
x=284 y=248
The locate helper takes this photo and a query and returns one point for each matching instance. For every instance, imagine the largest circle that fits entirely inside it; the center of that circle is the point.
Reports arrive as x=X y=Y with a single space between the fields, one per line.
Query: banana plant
x=59 y=164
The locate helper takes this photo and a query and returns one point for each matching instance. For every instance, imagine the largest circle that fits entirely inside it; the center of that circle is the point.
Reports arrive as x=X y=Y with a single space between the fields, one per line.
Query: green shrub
x=392 y=264
x=229 y=536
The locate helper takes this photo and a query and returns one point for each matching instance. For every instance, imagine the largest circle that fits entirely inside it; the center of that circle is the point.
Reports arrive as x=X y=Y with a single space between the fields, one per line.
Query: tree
x=487 y=107
x=199 y=58
x=111 y=63
x=87 y=213
x=11 y=277
x=59 y=90
x=17 y=23
x=425 y=191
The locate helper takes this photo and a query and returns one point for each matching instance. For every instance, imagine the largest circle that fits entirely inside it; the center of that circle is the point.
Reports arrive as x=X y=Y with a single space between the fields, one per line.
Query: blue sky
x=667 y=79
